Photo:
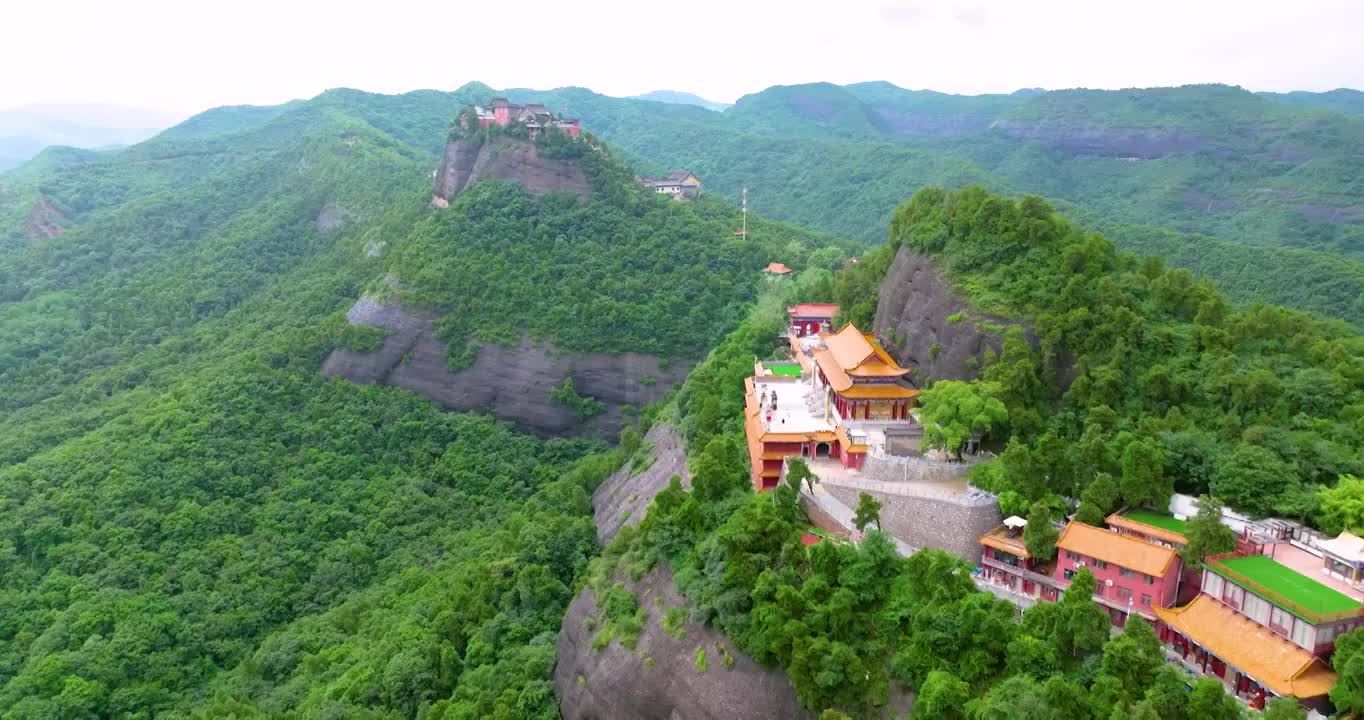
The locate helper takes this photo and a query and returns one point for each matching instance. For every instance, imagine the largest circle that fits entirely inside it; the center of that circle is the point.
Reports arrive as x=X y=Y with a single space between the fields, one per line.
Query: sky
x=184 y=56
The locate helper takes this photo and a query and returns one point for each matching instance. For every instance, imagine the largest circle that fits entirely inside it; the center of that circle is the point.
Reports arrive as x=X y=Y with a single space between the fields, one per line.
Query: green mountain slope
x=1142 y=372
x=680 y=98
x=195 y=518
x=1343 y=100
x=1210 y=161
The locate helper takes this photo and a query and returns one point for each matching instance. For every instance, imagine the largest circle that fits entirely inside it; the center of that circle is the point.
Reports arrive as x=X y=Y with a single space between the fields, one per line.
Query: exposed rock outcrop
x=1129 y=142
x=616 y=682
x=333 y=217
x=512 y=382
x=504 y=158
x=624 y=497
x=926 y=324
x=44 y=220
x=919 y=311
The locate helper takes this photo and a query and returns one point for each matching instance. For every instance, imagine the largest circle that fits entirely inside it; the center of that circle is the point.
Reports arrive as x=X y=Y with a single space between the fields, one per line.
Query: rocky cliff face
x=624 y=497
x=659 y=679
x=1122 y=142
x=928 y=325
x=512 y=382
x=504 y=158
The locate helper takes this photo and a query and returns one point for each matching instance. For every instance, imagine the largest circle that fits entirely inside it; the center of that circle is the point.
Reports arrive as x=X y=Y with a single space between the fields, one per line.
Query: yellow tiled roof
x=833 y=372
x=1118 y=549
x=847 y=444
x=1270 y=660
x=879 y=392
x=998 y=539
x=858 y=354
x=877 y=369
x=1126 y=523
x=849 y=346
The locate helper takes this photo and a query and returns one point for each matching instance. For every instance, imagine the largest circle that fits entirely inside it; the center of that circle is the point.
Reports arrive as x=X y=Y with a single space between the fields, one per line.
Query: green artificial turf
x=1289 y=583
x=1164 y=522
x=784 y=369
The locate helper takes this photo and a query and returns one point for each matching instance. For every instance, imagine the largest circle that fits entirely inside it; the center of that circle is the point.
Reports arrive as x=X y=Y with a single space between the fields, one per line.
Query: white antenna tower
x=743 y=203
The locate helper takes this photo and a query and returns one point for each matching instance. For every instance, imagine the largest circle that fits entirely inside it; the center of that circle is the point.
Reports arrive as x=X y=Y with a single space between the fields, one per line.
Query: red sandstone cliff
x=504 y=158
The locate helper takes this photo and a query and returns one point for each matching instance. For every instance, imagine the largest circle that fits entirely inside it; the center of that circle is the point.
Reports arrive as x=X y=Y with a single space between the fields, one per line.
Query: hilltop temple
x=837 y=399
x=535 y=116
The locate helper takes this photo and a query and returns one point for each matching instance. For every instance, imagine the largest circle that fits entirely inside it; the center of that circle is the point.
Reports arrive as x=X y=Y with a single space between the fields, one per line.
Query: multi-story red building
x=1132 y=576
x=1006 y=562
x=1262 y=628
x=1159 y=529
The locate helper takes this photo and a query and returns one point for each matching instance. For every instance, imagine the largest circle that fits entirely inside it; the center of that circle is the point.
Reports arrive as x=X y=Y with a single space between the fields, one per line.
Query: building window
x=1124 y=594
x=1073 y=557
x=1068 y=573
x=1146 y=600
x=1126 y=573
x=1100 y=564
x=1148 y=580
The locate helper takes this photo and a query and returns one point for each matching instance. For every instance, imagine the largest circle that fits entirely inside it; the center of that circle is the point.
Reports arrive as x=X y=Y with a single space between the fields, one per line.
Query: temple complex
x=837 y=400
x=535 y=116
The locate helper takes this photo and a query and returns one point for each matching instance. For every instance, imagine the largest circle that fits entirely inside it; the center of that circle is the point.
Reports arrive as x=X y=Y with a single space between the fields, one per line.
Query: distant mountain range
x=26 y=130
x=1258 y=191
x=1261 y=193
x=681 y=98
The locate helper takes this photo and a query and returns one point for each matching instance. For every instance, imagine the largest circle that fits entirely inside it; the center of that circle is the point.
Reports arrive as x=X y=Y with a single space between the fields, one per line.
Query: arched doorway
x=822 y=450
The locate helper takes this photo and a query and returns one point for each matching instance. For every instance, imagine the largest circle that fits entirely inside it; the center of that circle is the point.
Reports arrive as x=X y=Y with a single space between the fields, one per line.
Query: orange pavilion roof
x=999 y=538
x=851 y=353
x=1119 y=549
x=813 y=310
x=1270 y=660
x=878 y=392
x=776 y=268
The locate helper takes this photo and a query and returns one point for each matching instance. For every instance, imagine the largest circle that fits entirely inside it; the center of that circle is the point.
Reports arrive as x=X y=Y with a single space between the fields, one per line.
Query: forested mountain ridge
x=1165 y=387
x=1215 y=207
x=1187 y=173
x=1140 y=373
x=197 y=521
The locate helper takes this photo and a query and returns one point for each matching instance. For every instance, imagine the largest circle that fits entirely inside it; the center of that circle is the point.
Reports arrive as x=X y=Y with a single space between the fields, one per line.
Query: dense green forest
x=851 y=623
x=1182 y=173
x=198 y=524
x=1142 y=374
x=627 y=271
x=1271 y=181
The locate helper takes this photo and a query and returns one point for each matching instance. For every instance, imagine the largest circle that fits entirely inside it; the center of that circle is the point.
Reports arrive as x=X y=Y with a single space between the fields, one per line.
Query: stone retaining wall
x=894 y=468
x=953 y=524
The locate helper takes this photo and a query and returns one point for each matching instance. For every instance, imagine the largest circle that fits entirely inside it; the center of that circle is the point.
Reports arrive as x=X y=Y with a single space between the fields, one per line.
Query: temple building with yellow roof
x=849 y=393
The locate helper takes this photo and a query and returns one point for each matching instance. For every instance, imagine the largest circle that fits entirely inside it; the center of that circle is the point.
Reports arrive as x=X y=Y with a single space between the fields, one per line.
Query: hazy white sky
x=189 y=55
